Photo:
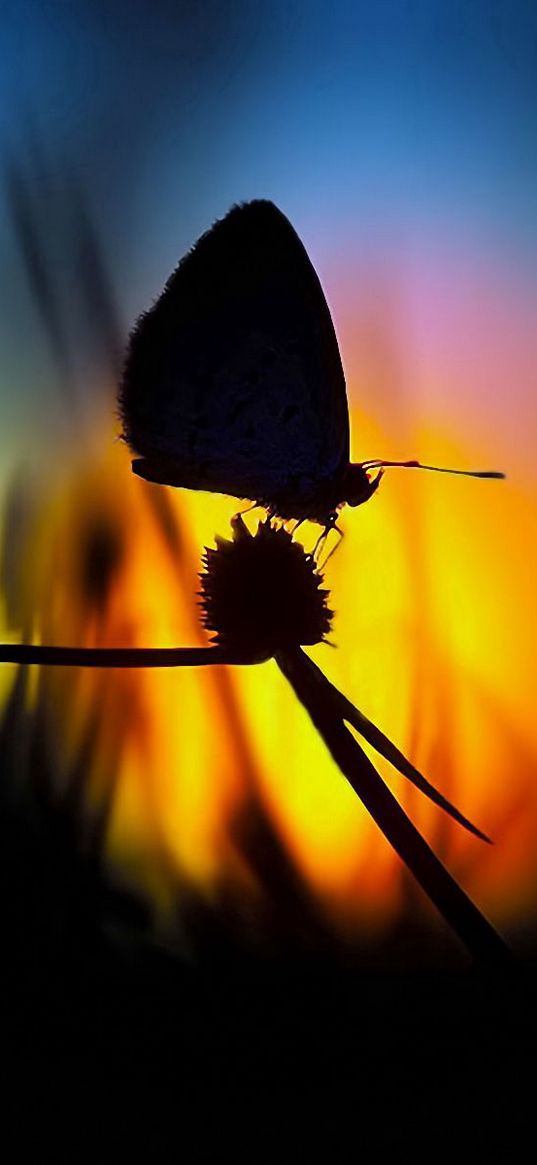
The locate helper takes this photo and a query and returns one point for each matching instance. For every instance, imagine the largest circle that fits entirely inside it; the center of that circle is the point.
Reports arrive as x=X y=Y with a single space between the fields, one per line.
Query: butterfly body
x=303 y=497
x=233 y=381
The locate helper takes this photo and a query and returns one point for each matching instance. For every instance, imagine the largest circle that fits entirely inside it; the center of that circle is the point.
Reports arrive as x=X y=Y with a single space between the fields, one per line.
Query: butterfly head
x=359 y=485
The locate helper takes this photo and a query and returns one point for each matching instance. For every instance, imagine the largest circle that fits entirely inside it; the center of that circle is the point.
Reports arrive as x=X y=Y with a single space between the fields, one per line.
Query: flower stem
x=117 y=656
x=315 y=693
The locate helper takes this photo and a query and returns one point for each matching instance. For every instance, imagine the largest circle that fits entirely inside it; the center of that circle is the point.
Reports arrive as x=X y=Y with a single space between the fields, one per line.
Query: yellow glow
x=433 y=587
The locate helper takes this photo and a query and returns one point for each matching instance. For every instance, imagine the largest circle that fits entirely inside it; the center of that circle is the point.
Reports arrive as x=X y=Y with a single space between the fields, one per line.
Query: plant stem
x=472 y=928
x=24 y=653
x=381 y=743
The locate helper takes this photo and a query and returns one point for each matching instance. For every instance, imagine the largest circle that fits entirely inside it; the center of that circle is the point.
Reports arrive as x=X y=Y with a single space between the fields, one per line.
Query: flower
x=261 y=593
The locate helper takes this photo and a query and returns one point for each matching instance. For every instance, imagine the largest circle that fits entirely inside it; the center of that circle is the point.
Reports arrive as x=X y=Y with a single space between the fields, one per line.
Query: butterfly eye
x=358 y=486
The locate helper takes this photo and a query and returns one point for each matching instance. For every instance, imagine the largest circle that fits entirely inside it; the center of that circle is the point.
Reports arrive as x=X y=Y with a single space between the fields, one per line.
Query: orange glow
x=433 y=588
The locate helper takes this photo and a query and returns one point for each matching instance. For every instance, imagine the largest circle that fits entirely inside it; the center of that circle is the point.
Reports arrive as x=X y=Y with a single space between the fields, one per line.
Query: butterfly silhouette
x=233 y=380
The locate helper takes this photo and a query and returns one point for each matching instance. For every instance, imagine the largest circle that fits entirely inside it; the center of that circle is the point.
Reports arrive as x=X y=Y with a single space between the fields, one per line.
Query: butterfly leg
x=321 y=566
x=322 y=536
x=330 y=525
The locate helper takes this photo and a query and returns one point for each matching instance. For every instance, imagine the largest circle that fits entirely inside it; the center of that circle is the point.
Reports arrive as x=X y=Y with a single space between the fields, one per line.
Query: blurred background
x=195 y=903
x=400 y=140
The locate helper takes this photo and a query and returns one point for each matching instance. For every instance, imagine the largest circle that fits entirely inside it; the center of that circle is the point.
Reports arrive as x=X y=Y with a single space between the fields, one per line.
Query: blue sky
x=367 y=123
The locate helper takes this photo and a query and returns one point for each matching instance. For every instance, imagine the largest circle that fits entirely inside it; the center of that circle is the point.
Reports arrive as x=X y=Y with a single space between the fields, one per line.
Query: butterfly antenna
x=378 y=464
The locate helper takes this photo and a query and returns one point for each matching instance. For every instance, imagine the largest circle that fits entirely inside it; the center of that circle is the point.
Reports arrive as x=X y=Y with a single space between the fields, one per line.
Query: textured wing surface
x=233 y=379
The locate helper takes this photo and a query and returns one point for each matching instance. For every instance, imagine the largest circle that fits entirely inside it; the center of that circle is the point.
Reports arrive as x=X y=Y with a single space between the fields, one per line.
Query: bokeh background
x=400 y=139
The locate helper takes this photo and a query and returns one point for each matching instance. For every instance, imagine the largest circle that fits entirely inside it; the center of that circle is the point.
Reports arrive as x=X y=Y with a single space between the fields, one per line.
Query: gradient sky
x=400 y=138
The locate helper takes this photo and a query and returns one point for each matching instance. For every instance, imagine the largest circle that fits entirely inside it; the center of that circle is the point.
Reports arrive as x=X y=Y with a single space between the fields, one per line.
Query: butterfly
x=233 y=381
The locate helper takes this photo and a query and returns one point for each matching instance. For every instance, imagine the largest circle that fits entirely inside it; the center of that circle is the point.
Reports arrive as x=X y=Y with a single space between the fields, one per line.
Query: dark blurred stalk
x=320 y=701
x=32 y=231
x=25 y=653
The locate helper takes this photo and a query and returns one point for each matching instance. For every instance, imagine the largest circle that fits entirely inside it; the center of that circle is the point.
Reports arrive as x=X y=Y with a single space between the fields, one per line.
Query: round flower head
x=261 y=593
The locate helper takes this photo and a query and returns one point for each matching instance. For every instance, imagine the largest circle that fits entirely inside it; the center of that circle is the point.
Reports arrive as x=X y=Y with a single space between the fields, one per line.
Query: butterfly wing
x=233 y=380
